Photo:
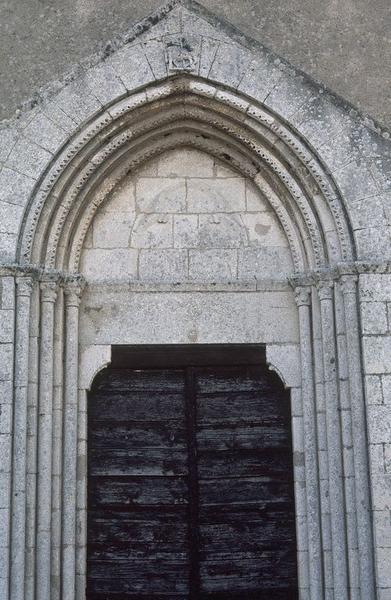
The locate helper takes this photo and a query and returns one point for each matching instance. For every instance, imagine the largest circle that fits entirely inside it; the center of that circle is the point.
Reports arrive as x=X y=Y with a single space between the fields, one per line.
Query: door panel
x=190 y=486
x=138 y=491
x=245 y=484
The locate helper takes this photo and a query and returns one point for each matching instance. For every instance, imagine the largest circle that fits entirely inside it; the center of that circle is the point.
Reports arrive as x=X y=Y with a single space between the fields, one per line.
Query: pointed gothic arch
x=149 y=100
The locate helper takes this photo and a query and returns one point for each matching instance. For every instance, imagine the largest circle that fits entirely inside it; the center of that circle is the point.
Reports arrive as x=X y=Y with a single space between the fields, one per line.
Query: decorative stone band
x=346 y=272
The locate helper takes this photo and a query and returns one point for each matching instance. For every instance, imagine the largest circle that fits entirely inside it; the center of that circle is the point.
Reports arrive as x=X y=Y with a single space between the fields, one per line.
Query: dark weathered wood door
x=190 y=486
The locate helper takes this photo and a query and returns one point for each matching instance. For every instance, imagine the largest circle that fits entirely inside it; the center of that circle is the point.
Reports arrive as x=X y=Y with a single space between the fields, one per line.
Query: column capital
x=325 y=289
x=303 y=295
x=24 y=285
x=348 y=284
x=73 y=289
x=48 y=290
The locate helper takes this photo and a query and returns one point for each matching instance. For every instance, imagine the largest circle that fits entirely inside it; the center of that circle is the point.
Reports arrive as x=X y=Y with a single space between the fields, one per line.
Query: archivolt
x=185 y=112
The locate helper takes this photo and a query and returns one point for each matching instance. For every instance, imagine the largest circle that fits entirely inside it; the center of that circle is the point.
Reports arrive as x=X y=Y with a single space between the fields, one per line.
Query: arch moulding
x=184 y=107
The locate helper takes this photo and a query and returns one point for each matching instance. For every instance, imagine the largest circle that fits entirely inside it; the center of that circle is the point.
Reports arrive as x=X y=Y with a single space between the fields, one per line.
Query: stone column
x=21 y=377
x=32 y=437
x=72 y=292
x=303 y=300
x=58 y=402
x=336 y=490
x=45 y=426
x=360 y=440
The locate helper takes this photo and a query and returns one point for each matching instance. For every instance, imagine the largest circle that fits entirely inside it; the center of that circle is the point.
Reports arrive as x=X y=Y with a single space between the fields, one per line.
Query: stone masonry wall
x=185 y=216
x=6 y=374
x=375 y=302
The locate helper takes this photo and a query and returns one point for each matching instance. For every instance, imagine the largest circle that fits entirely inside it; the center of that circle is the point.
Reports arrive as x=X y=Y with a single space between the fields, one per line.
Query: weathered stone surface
x=379 y=424
x=374 y=317
x=28 y=158
x=104 y=83
x=185 y=163
x=77 y=103
x=213 y=265
x=216 y=195
x=186 y=234
x=152 y=231
x=50 y=136
x=109 y=264
x=131 y=66
x=161 y=195
x=377 y=353
x=164 y=265
x=186 y=250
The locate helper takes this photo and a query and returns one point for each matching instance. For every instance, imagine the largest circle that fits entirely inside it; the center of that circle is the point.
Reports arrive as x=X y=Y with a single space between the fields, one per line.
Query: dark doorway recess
x=190 y=477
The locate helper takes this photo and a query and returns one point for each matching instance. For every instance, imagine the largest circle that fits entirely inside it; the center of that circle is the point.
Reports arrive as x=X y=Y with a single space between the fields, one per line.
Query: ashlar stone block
x=152 y=231
x=131 y=66
x=222 y=231
x=216 y=195
x=163 y=265
x=255 y=201
x=186 y=234
x=374 y=317
x=28 y=158
x=382 y=527
x=379 y=424
x=386 y=386
x=112 y=229
x=264 y=262
x=15 y=188
x=105 y=264
x=383 y=561
x=6 y=326
x=230 y=64
x=213 y=264
x=185 y=163
x=104 y=83
x=161 y=195
x=377 y=354
x=50 y=136
x=375 y=287
x=6 y=362
x=10 y=218
x=373 y=390
x=263 y=230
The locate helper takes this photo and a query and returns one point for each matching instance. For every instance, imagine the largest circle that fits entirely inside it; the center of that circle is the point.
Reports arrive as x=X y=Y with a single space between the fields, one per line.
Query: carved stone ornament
x=179 y=55
x=303 y=296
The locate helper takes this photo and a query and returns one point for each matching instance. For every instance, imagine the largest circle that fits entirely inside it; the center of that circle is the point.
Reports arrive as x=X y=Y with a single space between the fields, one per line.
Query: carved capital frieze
x=325 y=289
x=303 y=296
x=49 y=291
x=24 y=285
x=349 y=284
x=73 y=290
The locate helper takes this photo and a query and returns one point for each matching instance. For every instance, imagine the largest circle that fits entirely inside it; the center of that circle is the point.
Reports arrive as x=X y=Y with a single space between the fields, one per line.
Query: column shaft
x=32 y=437
x=303 y=299
x=72 y=299
x=360 y=440
x=45 y=428
x=58 y=400
x=336 y=489
x=18 y=514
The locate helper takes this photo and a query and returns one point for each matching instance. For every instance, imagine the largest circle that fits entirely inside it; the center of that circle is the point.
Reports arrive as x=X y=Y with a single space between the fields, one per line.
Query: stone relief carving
x=179 y=55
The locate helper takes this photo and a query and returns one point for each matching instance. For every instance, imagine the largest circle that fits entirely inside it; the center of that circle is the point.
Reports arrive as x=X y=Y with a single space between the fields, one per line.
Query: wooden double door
x=190 y=490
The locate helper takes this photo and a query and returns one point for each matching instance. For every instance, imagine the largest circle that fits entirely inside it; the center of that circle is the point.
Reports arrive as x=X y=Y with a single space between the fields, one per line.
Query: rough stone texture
x=375 y=292
x=188 y=222
x=339 y=43
x=183 y=248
